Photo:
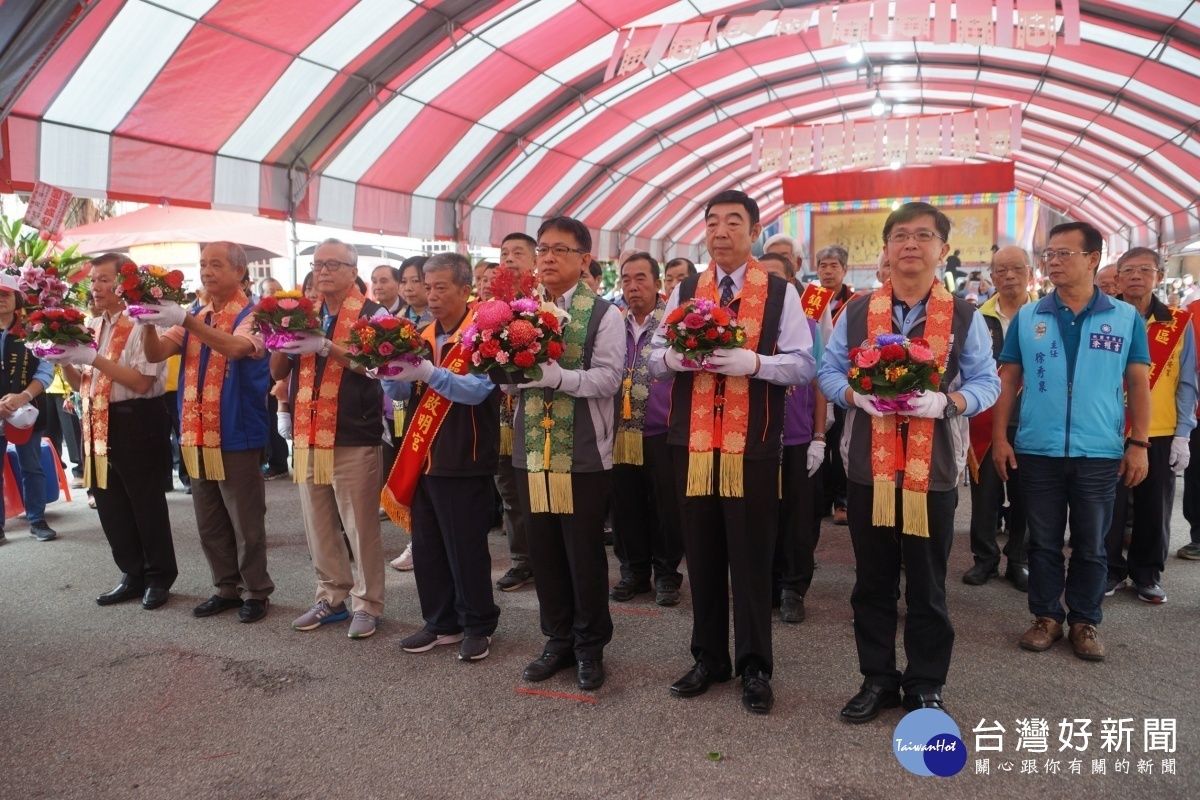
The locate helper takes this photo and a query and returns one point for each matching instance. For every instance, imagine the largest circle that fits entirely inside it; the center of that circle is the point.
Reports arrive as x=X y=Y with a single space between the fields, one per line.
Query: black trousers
x=1191 y=487
x=64 y=429
x=172 y=402
x=133 y=508
x=1153 y=500
x=567 y=554
x=730 y=543
x=985 y=509
x=833 y=471
x=796 y=540
x=647 y=534
x=277 y=447
x=450 y=549
x=878 y=554
x=507 y=478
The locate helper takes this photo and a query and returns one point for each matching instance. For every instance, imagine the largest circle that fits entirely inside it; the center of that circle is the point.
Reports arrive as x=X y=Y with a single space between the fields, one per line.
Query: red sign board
x=47 y=207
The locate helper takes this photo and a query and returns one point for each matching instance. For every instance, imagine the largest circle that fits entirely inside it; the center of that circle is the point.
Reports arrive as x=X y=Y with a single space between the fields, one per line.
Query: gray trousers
x=231 y=517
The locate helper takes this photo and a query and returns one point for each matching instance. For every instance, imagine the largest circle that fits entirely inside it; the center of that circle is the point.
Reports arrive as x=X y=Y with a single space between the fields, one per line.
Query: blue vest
x=1080 y=415
x=245 y=423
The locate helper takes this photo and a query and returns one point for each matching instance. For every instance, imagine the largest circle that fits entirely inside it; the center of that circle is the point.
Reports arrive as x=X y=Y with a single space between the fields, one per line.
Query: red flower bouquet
x=145 y=287
x=894 y=369
x=701 y=327
x=512 y=335
x=52 y=331
x=286 y=317
x=378 y=341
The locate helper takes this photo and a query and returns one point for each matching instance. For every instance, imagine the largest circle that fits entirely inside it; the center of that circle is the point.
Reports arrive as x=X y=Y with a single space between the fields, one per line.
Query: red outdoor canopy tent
x=467 y=119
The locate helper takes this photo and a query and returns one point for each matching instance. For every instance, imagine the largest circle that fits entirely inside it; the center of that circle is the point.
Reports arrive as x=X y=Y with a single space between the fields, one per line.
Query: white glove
x=867 y=403
x=816 y=456
x=165 y=314
x=305 y=344
x=1181 y=453
x=421 y=371
x=551 y=378
x=78 y=354
x=828 y=416
x=930 y=405
x=674 y=360
x=738 y=361
x=283 y=424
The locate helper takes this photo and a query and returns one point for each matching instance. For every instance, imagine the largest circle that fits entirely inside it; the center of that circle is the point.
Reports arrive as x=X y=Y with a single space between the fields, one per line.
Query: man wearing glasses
x=562 y=451
x=903 y=461
x=1070 y=355
x=1172 y=418
x=1010 y=274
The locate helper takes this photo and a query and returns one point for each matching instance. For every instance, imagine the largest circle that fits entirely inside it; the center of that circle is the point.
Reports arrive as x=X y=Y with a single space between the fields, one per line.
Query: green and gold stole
x=550 y=427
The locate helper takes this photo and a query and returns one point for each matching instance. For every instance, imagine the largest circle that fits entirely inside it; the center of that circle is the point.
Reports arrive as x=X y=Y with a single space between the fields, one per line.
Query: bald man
x=1011 y=273
x=1106 y=279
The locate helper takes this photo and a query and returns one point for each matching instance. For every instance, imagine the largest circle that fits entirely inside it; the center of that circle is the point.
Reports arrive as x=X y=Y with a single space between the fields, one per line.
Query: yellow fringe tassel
x=214 y=467
x=561 y=497
x=700 y=474
x=398 y=412
x=300 y=464
x=883 y=514
x=539 y=500
x=396 y=512
x=191 y=460
x=323 y=467
x=627 y=449
x=546 y=452
x=100 y=467
x=916 y=514
x=506 y=440
x=732 y=475
x=626 y=407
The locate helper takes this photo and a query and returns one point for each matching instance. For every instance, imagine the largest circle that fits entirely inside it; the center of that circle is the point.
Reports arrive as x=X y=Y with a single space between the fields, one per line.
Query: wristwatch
x=951 y=409
x=1138 y=443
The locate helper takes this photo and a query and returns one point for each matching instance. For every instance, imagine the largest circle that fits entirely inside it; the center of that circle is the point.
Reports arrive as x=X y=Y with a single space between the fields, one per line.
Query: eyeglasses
x=924 y=237
x=330 y=266
x=559 y=250
x=1145 y=272
x=1062 y=255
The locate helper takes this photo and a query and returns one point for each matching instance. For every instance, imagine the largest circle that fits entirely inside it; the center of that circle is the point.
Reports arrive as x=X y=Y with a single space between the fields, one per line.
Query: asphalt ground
x=120 y=702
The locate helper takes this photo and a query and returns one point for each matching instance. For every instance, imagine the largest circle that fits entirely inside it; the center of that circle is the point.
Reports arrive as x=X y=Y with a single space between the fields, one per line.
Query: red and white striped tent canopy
x=469 y=119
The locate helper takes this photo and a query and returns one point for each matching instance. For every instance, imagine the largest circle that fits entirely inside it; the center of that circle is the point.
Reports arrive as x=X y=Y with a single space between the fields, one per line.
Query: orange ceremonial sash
x=721 y=418
x=200 y=421
x=426 y=422
x=815 y=300
x=316 y=422
x=95 y=409
x=887 y=437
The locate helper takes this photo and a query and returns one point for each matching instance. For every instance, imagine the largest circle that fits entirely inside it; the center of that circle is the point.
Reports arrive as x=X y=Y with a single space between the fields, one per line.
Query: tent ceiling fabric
x=474 y=118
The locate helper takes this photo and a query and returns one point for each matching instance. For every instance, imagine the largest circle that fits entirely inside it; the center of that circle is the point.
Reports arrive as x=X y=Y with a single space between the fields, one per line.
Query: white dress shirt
x=133 y=356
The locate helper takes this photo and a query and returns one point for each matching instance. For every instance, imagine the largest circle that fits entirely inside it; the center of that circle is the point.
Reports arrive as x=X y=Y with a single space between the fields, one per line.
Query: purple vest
x=798 y=409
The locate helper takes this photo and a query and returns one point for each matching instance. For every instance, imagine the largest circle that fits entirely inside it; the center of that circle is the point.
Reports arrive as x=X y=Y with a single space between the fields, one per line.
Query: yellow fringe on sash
x=398 y=412
x=299 y=464
x=95 y=472
x=214 y=466
x=700 y=474
x=506 y=440
x=916 y=514
x=323 y=467
x=191 y=460
x=627 y=449
x=539 y=500
x=396 y=512
x=561 y=497
x=883 y=515
x=732 y=475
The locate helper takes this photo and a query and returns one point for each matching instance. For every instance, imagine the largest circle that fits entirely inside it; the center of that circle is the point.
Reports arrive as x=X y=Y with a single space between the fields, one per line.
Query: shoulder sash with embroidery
x=200 y=419
x=95 y=389
x=815 y=300
x=635 y=395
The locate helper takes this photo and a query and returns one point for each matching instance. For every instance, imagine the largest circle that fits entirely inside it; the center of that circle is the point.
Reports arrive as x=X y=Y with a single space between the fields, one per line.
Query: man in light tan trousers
x=337 y=434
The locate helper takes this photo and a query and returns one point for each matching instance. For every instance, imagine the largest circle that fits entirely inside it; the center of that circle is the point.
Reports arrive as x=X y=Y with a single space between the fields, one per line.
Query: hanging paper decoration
x=975 y=26
x=1037 y=24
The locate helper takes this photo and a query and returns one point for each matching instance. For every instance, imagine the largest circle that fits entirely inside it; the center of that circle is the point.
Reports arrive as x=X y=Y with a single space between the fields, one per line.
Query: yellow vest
x=1163 y=414
x=173 y=373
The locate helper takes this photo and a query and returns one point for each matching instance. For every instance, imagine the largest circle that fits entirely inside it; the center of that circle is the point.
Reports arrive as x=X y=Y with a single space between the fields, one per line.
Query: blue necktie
x=726 y=290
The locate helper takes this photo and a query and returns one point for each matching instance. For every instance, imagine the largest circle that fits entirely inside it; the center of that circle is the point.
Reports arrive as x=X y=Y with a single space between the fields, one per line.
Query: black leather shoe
x=590 y=674
x=923 y=700
x=626 y=589
x=979 y=574
x=547 y=665
x=696 y=682
x=154 y=597
x=215 y=605
x=870 y=700
x=757 y=696
x=1019 y=575
x=791 y=606
x=253 y=610
x=120 y=594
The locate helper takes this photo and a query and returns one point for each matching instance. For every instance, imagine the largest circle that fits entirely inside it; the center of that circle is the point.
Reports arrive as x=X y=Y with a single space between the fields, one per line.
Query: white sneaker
x=404 y=563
